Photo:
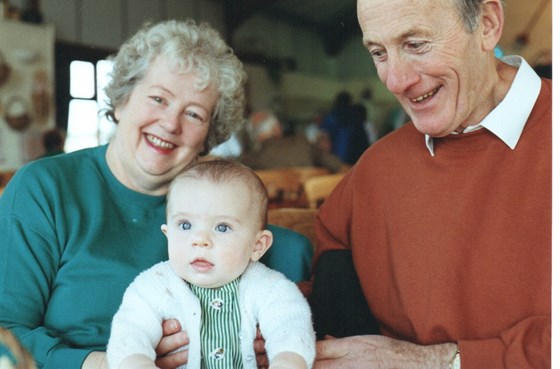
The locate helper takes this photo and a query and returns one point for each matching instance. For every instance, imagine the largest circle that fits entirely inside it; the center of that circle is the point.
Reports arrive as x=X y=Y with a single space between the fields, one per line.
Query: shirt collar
x=508 y=118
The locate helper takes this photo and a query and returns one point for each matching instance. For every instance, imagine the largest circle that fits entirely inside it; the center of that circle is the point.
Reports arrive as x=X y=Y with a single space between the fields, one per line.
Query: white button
x=217 y=303
x=218 y=354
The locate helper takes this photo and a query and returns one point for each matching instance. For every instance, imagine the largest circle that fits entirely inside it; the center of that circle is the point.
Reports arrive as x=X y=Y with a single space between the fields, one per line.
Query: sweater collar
x=508 y=118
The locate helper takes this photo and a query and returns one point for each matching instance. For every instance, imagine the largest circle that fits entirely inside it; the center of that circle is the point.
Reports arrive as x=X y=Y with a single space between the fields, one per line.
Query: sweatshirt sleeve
x=525 y=345
x=29 y=259
x=334 y=219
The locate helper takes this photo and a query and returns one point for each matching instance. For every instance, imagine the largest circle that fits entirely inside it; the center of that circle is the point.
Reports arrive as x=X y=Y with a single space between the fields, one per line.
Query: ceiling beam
x=335 y=32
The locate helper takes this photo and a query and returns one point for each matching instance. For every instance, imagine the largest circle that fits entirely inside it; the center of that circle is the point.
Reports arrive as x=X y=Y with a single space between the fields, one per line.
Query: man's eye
x=377 y=55
x=185 y=226
x=417 y=46
x=223 y=228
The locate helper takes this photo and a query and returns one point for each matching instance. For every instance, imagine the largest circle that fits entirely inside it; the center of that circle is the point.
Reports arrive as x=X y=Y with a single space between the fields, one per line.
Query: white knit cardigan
x=266 y=297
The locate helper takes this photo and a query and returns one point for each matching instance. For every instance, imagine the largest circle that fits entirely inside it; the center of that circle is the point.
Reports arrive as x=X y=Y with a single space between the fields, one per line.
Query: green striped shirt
x=221 y=323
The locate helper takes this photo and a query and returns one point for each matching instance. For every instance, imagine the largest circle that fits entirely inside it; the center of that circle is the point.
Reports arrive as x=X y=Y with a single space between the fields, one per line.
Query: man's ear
x=491 y=23
x=164 y=229
x=262 y=244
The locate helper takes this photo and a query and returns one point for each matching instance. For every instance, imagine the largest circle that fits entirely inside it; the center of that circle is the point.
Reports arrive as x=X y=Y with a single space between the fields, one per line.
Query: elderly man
x=448 y=219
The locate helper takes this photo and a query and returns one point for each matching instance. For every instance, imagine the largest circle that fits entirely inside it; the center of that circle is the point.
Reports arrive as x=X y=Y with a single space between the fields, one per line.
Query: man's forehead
x=402 y=19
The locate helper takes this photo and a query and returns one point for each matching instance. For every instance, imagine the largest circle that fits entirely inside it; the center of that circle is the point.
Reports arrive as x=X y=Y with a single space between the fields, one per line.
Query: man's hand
x=377 y=352
x=173 y=338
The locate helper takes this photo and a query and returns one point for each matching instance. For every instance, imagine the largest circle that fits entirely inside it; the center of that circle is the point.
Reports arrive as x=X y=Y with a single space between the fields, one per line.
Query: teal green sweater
x=72 y=240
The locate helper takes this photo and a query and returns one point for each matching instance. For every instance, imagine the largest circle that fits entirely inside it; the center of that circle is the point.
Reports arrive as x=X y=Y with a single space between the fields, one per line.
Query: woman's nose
x=171 y=121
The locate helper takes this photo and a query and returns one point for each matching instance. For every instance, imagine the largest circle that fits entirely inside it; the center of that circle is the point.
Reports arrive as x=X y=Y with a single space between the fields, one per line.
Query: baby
x=213 y=283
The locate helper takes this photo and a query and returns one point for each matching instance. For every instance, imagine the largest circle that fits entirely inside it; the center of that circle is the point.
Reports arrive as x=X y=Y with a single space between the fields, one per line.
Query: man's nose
x=398 y=74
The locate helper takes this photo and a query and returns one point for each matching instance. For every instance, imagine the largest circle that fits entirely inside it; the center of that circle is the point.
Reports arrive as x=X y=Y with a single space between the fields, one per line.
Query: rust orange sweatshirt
x=455 y=247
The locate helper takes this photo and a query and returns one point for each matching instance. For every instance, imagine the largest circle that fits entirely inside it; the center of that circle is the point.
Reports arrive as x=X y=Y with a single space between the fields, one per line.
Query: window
x=87 y=125
x=81 y=73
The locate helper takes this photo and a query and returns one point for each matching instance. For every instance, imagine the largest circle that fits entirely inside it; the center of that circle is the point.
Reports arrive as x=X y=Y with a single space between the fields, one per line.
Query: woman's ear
x=491 y=23
x=164 y=229
x=262 y=244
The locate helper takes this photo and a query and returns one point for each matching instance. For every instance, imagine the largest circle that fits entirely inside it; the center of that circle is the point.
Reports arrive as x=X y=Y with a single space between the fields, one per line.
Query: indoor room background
x=298 y=54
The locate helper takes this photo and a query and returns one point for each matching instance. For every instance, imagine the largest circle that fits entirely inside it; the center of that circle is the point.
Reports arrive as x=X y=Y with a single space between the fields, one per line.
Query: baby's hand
x=288 y=360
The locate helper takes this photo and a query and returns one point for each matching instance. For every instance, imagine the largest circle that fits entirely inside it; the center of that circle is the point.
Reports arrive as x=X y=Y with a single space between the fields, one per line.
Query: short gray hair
x=469 y=11
x=190 y=47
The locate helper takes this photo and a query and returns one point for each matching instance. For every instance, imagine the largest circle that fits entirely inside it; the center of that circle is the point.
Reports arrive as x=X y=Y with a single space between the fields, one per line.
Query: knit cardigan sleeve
x=282 y=313
x=155 y=295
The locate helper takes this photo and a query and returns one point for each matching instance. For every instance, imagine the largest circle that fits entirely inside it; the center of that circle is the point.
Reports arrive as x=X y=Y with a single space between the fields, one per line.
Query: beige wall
x=519 y=13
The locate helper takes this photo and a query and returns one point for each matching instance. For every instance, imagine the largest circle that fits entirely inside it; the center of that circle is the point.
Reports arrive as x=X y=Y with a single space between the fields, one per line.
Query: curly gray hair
x=190 y=47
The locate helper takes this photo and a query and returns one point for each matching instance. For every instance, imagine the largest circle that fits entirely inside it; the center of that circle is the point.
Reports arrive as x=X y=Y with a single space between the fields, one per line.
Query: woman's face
x=162 y=128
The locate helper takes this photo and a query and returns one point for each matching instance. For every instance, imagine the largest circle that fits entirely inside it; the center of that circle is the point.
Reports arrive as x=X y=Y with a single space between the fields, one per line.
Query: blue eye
x=185 y=226
x=223 y=228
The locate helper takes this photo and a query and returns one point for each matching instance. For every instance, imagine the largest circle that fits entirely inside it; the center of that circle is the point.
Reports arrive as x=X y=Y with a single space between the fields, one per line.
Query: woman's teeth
x=159 y=143
x=425 y=96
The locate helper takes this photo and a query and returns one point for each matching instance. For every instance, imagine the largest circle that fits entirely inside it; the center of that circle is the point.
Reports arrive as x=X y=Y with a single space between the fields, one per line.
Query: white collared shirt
x=508 y=118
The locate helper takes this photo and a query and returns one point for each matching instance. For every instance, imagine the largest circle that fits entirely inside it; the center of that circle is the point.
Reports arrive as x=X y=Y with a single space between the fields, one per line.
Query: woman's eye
x=223 y=228
x=195 y=117
x=157 y=99
x=185 y=226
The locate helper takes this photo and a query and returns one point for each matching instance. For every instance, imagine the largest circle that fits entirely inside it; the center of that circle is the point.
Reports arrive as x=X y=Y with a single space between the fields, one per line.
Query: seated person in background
x=273 y=149
x=344 y=125
x=213 y=283
x=53 y=142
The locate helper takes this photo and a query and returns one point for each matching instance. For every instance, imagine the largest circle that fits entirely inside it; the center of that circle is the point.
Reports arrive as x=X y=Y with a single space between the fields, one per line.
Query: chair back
x=283 y=186
x=318 y=188
x=301 y=220
x=305 y=173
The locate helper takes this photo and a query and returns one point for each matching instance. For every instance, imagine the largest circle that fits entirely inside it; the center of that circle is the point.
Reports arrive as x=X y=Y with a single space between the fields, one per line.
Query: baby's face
x=212 y=231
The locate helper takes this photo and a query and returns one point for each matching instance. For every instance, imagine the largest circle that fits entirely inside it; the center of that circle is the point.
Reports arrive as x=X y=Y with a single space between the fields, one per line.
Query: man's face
x=428 y=60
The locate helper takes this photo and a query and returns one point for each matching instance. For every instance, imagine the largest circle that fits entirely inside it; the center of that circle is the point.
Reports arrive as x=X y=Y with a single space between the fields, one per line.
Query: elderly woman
x=77 y=228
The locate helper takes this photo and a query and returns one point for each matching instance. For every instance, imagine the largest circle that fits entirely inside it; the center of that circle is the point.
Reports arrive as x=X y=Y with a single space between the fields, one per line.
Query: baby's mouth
x=426 y=95
x=201 y=263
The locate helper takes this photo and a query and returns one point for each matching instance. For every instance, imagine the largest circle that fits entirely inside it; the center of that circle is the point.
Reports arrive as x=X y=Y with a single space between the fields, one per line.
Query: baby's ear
x=262 y=244
x=164 y=229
